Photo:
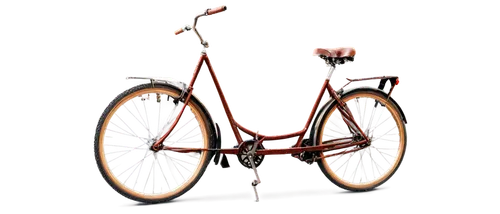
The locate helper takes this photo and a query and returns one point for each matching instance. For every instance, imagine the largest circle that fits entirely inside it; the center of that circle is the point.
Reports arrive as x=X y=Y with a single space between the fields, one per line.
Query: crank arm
x=257 y=180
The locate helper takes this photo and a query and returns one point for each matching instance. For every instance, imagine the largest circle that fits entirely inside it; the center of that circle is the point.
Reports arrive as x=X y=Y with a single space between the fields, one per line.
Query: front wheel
x=129 y=126
x=381 y=120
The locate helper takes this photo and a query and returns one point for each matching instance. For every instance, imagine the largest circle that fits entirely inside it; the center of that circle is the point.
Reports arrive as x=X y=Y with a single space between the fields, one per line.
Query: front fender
x=182 y=86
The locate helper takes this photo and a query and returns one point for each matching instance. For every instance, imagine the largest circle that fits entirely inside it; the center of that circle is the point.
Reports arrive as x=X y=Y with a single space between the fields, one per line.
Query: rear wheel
x=373 y=165
x=126 y=131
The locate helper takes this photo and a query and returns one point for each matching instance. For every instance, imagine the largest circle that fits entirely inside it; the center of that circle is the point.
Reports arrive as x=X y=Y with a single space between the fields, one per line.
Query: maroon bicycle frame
x=297 y=148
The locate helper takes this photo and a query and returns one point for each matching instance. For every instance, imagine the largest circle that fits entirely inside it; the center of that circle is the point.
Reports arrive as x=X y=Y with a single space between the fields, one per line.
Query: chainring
x=243 y=156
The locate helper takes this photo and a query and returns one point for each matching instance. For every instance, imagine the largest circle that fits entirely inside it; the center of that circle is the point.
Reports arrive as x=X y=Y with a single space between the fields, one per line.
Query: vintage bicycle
x=154 y=141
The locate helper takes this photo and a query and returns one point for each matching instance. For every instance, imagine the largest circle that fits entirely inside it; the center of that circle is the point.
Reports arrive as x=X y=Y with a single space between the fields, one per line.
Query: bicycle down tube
x=235 y=126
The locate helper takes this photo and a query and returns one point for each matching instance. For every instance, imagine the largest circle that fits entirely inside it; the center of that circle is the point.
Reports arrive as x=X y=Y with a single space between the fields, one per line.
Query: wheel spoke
x=339 y=163
x=366 y=113
x=339 y=129
x=361 y=112
x=368 y=167
x=378 y=118
x=123 y=148
x=170 y=120
x=149 y=107
x=173 y=169
x=123 y=134
x=124 y=124
x=136 y=119
x=368 y=162
x=370 y=115
x=158 y=111
x=166 y=173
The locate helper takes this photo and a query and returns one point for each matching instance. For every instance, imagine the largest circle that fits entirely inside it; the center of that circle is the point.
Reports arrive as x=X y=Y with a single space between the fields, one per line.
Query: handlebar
x=207 y=12
x=216 y=10
x=180 y=30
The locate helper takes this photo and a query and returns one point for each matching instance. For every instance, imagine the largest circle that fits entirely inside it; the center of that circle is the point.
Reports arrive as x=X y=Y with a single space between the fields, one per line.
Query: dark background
x=252 y=38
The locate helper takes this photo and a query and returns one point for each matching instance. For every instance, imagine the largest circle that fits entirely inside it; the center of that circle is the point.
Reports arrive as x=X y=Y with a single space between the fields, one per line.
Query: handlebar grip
x=177 y=32
x=216 y=10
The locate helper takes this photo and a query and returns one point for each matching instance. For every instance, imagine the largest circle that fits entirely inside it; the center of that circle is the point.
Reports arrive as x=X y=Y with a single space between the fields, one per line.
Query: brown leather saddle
x=336 y=55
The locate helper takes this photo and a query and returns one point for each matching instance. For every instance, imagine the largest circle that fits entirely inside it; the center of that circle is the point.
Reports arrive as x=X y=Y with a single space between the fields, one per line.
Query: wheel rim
x=373 y=165
x=130 y=129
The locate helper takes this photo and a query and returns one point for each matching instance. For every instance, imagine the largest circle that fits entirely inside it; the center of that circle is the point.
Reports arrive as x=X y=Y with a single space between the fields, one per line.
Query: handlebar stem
x=196 y=30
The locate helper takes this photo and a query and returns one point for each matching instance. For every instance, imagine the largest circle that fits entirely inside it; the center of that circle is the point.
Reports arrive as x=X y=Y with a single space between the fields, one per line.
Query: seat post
x=330 y=72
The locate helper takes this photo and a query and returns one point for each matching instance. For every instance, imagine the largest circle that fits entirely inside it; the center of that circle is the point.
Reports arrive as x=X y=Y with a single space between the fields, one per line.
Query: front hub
x=155 y=147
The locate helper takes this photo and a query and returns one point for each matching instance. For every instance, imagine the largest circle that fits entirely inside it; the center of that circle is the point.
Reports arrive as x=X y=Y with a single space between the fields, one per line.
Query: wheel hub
x=152 y=147
x=358 y=138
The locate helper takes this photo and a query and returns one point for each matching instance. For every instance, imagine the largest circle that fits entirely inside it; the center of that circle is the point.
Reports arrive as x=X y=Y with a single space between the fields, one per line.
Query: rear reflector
x=399 y=81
